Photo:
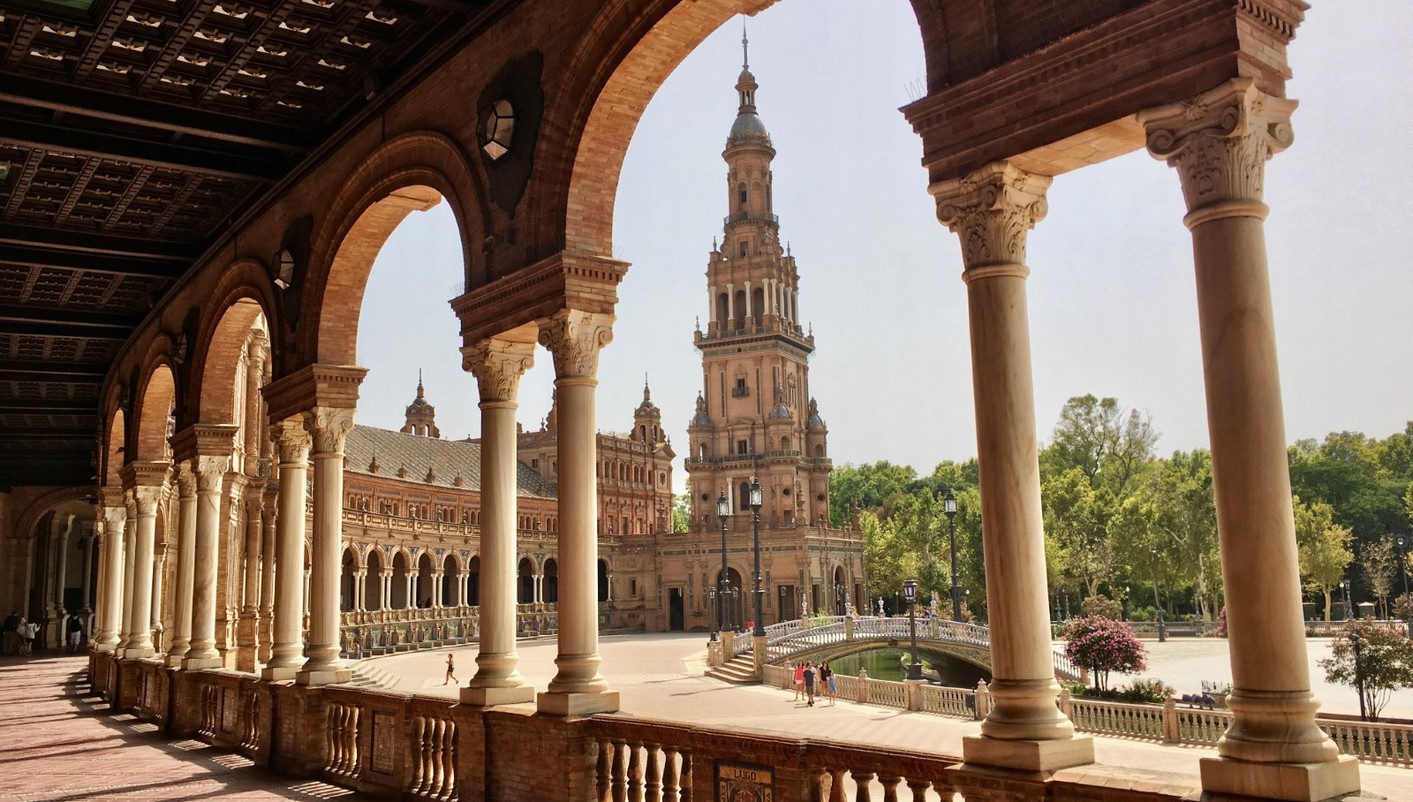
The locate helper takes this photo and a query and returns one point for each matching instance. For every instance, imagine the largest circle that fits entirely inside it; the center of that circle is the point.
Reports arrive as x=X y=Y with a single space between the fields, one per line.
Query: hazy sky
x=1112 y=301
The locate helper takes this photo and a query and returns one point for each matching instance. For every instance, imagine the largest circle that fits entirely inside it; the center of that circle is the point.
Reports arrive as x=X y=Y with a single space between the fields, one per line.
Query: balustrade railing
x=1117 y=719
x=433 y=756
x=341 y=738
x=1373 y=741
x=958 y=702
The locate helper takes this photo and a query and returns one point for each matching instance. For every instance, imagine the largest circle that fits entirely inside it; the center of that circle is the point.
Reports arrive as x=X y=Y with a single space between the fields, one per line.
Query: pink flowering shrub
x=1103 y=645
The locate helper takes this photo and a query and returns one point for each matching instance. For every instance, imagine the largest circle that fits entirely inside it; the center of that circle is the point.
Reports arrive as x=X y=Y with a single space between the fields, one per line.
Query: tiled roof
x=448 y=459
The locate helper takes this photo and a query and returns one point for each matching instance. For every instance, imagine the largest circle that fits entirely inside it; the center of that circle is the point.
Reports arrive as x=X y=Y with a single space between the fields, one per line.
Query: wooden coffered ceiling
x=132 y=133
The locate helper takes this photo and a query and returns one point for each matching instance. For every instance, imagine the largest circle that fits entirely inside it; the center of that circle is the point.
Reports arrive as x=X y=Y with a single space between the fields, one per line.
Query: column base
x=1227 y=779
x=490 y=697
x=138 y=652
x=1061 y=753
x=576 y=704
x=174 y=660
x=200 y=663
x=326 y=676
x=278 y=673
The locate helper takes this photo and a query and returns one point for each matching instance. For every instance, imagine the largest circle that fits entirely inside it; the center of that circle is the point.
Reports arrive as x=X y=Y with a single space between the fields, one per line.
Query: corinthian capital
x=498 y=365
x=147 y=497
x=328 y=426
x=991 y=209
x=1220 y=140
x=574 y=338
x=292 y=441
x=211 y=472
x=114 y=520
x=186 y=480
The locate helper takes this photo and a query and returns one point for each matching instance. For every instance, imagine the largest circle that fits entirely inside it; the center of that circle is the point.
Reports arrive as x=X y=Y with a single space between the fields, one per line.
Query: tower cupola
x=421 y=416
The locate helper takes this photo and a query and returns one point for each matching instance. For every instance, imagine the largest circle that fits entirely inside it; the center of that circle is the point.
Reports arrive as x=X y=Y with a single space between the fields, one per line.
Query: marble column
x=574 y=338
x=1219 y=142
x=267 y=572
x=145 y=499
x=210 y=476
x=129 y=547
x=86 y=545
x=498 y=366
x=292 y=443
x=360 y=590
x=991 y=210
x=110 y=605
x=248 y=622
x=159 y=563
x=329 y=427
x=61 y=576
x=186 y=564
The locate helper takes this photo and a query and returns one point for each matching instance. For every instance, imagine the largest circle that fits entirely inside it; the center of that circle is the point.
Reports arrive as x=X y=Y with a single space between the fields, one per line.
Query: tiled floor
x=57 y=742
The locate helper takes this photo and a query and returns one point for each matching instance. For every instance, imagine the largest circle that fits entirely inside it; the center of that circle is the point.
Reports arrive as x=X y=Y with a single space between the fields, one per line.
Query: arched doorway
x=525 y=584
x=841 y=591
x=399 y=582
x=374 y=583
x=550 y=588
x=604 y=591
x=450 y=583
x=473 y=582
x=348 y=581
x=424 y=581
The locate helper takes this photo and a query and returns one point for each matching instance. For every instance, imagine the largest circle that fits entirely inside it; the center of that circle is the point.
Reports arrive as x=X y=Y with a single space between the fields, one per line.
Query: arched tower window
x=741 y=198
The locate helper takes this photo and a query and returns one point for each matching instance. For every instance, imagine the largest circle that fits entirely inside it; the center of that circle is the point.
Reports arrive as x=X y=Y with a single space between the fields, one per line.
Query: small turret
x=421 y=416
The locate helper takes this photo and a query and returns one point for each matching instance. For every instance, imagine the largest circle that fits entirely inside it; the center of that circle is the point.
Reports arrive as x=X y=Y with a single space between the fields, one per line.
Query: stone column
x=210 y=476
x=436 y=594
x=267 y=573
x=248 y=624
x=991 y=210
x=186 y=564
x=498 y=366
x=360 y=589
x=1219 y=142
x=129 y=538
x=328 y=426
x=110 y=606
x=61 y=576
x=159 y=563
x=292 y=444
x=85 y=589
x=574 y=338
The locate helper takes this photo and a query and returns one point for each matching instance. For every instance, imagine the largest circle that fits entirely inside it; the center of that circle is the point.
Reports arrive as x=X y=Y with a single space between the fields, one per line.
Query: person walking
x=451 y=670
x=810 y=675
x=826 y=678
x=799 y=680
x=28 y=629
x=73 y=627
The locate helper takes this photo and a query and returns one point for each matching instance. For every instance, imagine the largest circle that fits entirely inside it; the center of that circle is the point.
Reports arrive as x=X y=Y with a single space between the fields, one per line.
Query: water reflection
x=891 y=664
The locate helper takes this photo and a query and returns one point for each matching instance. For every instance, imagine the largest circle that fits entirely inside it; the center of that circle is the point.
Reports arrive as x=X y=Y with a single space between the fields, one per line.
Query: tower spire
x=745 y=47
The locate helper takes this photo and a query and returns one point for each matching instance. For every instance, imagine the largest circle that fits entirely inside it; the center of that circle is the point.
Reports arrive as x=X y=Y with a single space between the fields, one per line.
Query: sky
x=1111 y=291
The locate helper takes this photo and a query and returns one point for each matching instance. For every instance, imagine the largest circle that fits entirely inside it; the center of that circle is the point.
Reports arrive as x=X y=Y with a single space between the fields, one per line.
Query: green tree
x=1380 y=567
x=682 y=511
x=1324 y=548
x=1110 y=445
x=867 y=486
x=1343 y=472
x=1385 y=662
x=1076 y=525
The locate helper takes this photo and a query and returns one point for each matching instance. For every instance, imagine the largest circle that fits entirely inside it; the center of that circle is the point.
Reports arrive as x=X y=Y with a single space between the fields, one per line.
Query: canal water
x=891 y=664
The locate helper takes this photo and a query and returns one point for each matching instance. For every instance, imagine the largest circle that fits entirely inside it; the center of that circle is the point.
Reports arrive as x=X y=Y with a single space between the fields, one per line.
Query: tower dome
x=748 y=128
x=421 y=415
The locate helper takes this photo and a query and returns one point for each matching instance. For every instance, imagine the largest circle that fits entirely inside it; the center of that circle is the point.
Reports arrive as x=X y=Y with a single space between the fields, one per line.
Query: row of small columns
x=779 y=298
x=1219 y=143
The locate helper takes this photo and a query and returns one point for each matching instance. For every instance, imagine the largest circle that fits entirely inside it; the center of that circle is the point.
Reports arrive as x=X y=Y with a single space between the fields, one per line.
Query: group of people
x=808 y=677
x=17 y=634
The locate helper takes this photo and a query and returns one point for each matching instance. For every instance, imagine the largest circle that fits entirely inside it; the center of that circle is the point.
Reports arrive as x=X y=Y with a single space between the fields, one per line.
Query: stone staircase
x=739 y=670
x=369 y=675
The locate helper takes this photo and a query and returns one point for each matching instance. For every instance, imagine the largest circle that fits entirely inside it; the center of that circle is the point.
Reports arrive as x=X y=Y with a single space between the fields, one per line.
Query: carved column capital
x=991 y=209
x=211 y=472
x=1219 y=142
x=328 y=426
x=292 y=441
x=498 y=365
x=185 y=480
x=130 y=503
x=114 y=519
x=146 y=498
x=574 y=338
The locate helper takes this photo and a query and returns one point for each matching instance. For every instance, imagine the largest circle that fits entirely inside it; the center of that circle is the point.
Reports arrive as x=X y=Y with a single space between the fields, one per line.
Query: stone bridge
x=832 y=637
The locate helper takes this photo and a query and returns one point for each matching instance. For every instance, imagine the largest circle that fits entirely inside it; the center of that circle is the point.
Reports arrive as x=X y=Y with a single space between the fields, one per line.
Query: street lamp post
x=759 y=592
x=1348 y=606
x=715 y=611
x=723 y=509
x=1401 y=544
x=910 y=593
x=1355 y=643
x=949 y=508
x=735 y=591
x=1158 y=604
x=784 y=592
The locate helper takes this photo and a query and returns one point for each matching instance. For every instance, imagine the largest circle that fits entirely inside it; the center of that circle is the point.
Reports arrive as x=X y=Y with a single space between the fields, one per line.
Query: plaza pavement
x=59 y=743
x=661 y=677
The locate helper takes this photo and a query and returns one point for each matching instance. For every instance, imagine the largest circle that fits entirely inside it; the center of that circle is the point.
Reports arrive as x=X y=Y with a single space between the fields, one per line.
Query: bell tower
x=421 y=416
x=754 y=417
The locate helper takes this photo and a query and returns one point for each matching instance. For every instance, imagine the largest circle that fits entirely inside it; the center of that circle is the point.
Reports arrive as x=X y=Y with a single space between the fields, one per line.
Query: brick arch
x=417 y=170
x=155 y=398
x=114 y=441
x=242 y=294
x=217 y=357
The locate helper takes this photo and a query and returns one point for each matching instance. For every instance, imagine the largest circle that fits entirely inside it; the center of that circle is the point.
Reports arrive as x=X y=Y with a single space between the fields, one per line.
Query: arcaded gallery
x=192 y=194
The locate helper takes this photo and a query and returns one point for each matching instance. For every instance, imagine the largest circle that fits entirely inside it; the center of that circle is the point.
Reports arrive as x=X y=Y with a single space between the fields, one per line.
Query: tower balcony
x=768 y=326
x=739 y=217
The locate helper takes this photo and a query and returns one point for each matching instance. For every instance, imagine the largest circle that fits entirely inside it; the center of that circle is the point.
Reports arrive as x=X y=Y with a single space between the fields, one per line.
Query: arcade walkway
x=58 y=743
